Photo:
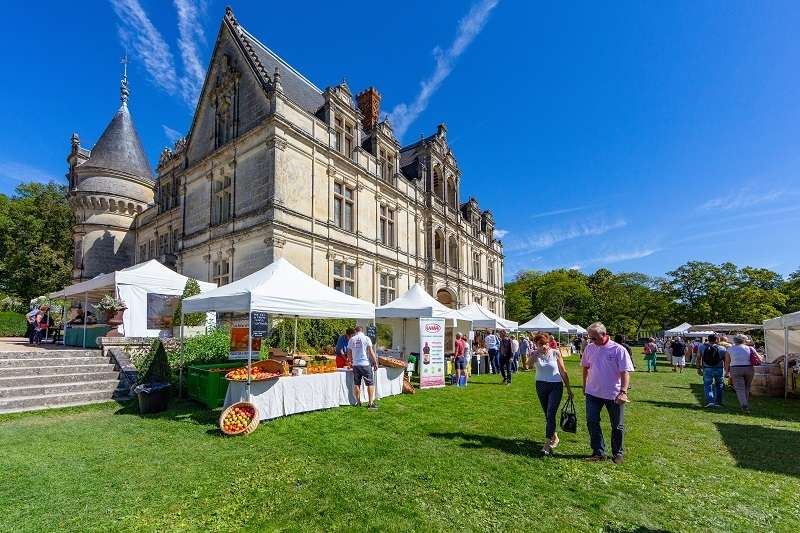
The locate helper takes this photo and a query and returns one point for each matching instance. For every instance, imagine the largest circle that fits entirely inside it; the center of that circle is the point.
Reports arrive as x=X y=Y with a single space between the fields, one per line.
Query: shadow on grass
x=762 y=448
x=523 y=447
x=613 y=528
x=178 y=410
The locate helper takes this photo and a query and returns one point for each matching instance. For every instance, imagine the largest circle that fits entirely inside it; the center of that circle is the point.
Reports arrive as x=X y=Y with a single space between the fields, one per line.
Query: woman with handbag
x=739 y=362
x=551 y=376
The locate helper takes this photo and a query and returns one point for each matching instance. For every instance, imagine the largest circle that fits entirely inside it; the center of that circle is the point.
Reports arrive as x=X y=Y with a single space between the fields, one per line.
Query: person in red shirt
x=553 y=343
x=460 y=359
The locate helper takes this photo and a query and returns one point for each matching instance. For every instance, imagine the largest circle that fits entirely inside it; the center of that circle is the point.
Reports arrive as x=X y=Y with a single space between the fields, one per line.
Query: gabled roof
x=295 y=86
x=119 y=148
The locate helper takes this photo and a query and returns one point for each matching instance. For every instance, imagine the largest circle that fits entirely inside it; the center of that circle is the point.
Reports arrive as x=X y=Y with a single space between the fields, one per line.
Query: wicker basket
x=251 y=427
x=268 y=366
x=391 y=362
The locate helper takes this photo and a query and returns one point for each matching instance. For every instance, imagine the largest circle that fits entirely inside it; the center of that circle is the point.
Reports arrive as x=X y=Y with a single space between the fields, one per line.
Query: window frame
x=344 y=199
x=387 y=225
x=219 y=275
x=341 y=281
x=387 y=284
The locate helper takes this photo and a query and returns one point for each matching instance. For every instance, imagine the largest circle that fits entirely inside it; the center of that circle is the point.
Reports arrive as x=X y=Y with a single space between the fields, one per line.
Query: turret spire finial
x=123 y=85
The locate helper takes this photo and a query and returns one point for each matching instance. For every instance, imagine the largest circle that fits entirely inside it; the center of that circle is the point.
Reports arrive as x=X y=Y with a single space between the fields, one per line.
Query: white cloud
x=403 y=115
x=559 y=211
x=616 y=257
x=547 y=239
x=138 y=33
x=22 y=172
x=500 y=233
x=190 y=32
x=172 y=135
x=744 y=198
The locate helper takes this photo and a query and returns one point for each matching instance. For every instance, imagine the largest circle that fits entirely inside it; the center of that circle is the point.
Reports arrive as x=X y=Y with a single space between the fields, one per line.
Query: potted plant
x=109 y=306
x=152 y=387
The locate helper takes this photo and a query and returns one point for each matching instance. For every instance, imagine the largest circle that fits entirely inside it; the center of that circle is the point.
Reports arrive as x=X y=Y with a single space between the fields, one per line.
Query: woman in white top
x=551 y=376
x=739 y=369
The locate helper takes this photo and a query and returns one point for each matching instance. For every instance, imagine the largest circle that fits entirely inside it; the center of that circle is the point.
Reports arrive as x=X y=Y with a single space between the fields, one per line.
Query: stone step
x=55 y=379
x=55 y=361
x=35 y=403
x=49 y=354
x=54 y=370
x=59 y=388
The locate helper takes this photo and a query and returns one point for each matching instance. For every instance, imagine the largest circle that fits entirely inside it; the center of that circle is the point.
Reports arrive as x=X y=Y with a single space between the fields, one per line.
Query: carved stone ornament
x=331 y=170
x=166 y=155
x=275 y=242
x=207 y=258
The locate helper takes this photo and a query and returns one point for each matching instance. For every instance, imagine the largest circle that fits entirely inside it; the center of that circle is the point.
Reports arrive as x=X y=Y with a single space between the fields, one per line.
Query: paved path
x=20 y=344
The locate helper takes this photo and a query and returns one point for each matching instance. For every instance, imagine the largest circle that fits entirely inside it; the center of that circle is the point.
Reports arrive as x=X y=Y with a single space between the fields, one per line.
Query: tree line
x=633 y=303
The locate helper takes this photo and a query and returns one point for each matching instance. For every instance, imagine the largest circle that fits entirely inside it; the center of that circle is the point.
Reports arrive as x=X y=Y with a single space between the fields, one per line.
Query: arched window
x=445 y=298
x=438 y=246
x=452 y=194
x=452 y=252
x=438 y=182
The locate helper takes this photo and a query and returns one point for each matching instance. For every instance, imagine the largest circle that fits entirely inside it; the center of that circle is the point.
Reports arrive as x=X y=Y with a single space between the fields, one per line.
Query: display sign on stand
x=372 y=333
x=239 y=343
x=431 y=341
x=260 y=325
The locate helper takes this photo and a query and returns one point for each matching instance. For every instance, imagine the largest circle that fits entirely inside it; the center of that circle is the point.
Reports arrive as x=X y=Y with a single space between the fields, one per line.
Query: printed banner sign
x=431 y=342
x=239 y=344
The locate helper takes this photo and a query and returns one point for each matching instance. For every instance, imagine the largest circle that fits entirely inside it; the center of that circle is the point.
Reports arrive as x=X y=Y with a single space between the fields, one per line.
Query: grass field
x=446 y=459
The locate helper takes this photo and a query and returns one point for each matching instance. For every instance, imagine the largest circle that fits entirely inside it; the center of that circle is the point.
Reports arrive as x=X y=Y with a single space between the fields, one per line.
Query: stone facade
x=275 y=167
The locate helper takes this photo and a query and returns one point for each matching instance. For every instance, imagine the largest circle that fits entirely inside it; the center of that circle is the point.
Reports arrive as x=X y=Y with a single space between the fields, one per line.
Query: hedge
x=12 y=324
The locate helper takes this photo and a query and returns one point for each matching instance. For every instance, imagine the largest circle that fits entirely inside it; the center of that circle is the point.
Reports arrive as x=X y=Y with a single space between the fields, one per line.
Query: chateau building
x=274 y=167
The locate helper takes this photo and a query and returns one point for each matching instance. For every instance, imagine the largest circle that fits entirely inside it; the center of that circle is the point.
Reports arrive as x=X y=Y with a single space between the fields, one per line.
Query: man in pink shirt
x=606 y=367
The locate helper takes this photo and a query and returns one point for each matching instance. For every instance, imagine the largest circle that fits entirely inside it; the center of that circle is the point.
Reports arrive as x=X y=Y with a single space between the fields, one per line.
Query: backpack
x=711 y=356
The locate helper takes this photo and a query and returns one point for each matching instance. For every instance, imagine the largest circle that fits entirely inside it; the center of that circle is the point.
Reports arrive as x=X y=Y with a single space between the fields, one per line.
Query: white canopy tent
x=678 y=330
x=414 y=304
x=132 y=285
x=723 y=327
x=580 y=330
x=543 y=324
x=572 y=330
x=482 y=318
x=782 y=339
x=280 y=289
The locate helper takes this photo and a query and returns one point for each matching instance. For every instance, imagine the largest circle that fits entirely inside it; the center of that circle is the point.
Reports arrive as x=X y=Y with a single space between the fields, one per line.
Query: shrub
x=156 y=365
x=313 y=335
x=192 y=288
x=211 y=347
x=12 y=324
x=12 y=303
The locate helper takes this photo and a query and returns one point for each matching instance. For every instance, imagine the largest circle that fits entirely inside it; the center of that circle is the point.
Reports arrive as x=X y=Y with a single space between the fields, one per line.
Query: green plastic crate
x=206 y=387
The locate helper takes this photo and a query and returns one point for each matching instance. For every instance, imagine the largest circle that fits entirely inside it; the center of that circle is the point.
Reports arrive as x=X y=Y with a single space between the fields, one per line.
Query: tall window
x=344 y=277
x=476 y=266
x=151 y=249
x=490 y=271
x=221 y=272
x=438 y=247
x=384 y=165
x=221 y=201
x=452 y=195
x=142 y=253
x=388 y=288
x=343 y=197
x=438 y=184
x=476 y=229
x=338 y=135
x=166 y=196
x=175 y=237
x=348 y=139
x=387 y=225
x=492 y=306
x=163 y=243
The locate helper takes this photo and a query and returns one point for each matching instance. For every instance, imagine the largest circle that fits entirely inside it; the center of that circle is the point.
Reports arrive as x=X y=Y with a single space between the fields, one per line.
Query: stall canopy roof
x=790 y=321
x=281 y=289
x=416 y=303
x=724 y=326
x=677 y=330
x=580 y=329
x=150 y=275
x=564 y=324
x=541 y=323
x=482 y=318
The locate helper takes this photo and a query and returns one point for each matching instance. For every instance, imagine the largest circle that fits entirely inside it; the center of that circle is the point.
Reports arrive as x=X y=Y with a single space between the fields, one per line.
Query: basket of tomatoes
x=239 y=419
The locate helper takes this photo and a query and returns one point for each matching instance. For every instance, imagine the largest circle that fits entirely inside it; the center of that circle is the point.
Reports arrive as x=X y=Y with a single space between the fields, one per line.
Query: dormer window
x=348 y=139
x=343 y=136
x=384 y=165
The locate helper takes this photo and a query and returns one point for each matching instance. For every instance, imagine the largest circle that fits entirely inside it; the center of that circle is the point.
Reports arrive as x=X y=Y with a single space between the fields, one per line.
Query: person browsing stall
x=460 y=361
x=341 y=348
x=551 y=377
x=361 y=356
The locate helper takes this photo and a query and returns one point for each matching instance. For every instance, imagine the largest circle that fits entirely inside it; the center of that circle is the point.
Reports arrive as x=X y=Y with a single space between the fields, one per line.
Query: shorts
x=363 y=373
x=679 y=360
x=461 y=363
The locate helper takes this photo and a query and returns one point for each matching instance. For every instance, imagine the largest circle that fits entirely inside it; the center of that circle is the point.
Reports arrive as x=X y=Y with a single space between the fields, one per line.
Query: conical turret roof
x=119 y=147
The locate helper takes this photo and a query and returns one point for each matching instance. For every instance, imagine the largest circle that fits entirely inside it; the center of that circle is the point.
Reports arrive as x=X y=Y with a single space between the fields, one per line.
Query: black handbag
x=569 y=420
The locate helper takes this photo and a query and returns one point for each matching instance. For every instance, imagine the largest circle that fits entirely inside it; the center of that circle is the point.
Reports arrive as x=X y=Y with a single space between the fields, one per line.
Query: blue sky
x=630 y=135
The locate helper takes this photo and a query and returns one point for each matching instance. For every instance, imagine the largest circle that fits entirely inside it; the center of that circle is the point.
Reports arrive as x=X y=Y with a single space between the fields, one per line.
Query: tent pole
x=47 y=322
x=85 y=314
x=294 y=346
x=180 y=368
x=785 y=362
x=404 y=339
x=64 y=320
x=249 y=352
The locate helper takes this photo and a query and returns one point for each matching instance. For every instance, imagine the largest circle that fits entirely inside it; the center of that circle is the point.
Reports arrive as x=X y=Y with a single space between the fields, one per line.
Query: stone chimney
x=369 y=103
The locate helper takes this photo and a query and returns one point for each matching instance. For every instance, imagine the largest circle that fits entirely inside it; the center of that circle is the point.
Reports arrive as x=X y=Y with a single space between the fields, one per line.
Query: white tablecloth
x=298 y=394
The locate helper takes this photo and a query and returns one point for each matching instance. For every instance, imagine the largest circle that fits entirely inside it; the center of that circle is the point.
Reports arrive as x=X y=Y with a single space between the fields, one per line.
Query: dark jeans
x=515 y=362
x=550 y=393
x=505 y=367
x=594 y=406
x=494 y=361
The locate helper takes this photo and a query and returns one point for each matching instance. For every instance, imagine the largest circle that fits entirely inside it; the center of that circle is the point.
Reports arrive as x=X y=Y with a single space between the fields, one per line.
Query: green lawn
x=444 y=459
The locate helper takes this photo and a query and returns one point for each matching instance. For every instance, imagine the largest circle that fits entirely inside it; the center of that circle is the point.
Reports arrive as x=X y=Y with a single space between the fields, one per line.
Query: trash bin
x=153 y=397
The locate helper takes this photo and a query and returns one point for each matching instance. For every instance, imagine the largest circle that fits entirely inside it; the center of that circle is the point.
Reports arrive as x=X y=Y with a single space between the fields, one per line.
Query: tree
x=192 y=288
x=35 y=240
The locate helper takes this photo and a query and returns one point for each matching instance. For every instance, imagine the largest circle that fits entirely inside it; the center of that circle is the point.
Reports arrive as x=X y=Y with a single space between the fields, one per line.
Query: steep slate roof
x=119 y=148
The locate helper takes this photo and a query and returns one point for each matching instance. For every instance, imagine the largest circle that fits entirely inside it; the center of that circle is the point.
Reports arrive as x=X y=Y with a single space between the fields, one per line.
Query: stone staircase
x=32 y=380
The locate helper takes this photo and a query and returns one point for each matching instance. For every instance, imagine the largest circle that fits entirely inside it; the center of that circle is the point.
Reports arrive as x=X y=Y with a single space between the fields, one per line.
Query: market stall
x=542 y=324
x=282 y=290
x=782 y=341
x=678 y=330
x=484 y=319
x=149 y=291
